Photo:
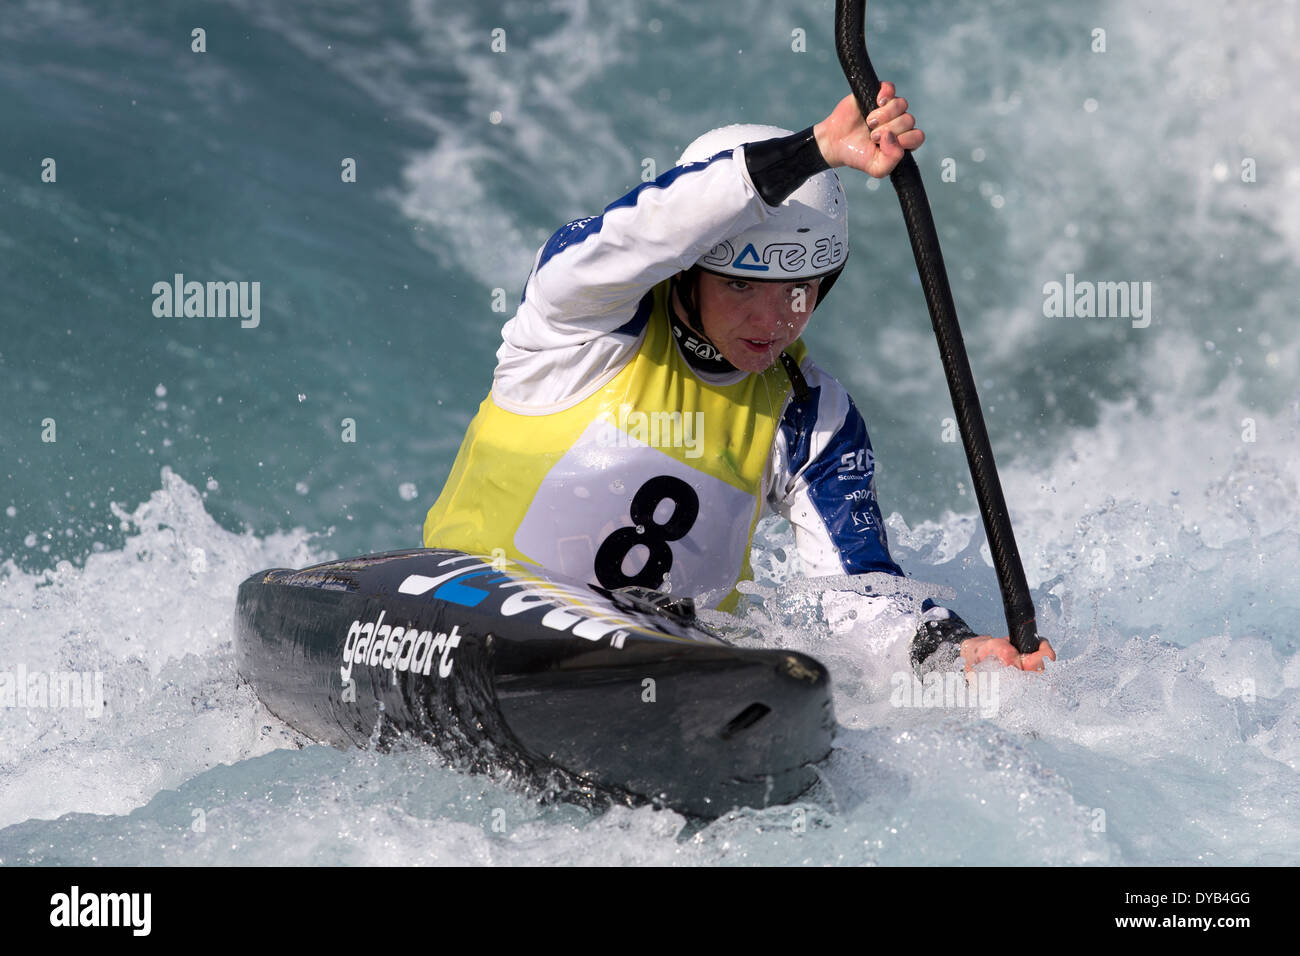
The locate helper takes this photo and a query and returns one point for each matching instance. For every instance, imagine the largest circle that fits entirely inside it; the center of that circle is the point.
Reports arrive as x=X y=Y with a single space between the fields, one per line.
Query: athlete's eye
x=737 y=285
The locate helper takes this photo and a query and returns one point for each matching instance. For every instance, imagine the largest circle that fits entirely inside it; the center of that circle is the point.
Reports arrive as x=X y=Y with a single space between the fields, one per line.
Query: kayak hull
x=507 y=668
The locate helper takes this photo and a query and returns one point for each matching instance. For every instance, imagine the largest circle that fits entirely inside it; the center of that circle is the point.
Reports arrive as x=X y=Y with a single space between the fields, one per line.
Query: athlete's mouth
x=759 y=345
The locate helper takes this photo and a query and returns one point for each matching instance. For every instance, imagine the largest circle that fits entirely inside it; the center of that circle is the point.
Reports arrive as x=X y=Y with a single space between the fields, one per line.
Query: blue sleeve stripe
x=580 y=229
x=848 y=508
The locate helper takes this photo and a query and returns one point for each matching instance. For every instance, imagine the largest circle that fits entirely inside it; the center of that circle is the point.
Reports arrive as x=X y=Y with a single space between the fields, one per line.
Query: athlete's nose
x=773 y=312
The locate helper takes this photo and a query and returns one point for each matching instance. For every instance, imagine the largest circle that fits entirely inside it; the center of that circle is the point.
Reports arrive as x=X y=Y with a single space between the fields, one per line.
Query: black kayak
x=598 y=694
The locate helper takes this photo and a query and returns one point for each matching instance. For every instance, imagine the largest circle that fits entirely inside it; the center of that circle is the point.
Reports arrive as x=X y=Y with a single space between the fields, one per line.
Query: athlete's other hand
x=873 y=144
x=984 y=646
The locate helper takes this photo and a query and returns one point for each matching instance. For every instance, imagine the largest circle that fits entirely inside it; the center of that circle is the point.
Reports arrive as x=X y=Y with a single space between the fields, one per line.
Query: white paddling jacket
x=603 y=452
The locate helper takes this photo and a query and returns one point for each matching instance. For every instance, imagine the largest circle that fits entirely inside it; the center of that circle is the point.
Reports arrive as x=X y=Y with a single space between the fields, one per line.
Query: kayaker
x=652 y=397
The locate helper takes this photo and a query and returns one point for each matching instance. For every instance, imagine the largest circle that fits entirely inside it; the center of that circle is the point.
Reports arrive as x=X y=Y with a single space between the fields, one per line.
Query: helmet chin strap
x=701 y=352
x=683 y=288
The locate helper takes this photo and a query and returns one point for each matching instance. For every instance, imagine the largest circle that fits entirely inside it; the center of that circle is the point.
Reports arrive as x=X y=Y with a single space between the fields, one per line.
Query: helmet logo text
x=753 y=262
x=827 y=252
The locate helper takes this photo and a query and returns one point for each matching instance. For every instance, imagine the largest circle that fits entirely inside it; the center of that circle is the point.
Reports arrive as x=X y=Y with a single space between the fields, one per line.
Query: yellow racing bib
x=655 y=479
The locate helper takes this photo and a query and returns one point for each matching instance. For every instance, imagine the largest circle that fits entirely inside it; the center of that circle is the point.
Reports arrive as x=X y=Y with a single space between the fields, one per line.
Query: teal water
x=1152 y=471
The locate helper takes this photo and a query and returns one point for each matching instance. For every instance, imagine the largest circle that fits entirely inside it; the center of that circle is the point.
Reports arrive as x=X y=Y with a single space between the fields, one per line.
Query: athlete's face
x=751 y=322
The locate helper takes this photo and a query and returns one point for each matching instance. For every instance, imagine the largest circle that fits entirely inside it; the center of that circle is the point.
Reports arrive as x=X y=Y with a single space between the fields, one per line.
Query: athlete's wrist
x=823 y=139
x=938 y=640
x=777 y=167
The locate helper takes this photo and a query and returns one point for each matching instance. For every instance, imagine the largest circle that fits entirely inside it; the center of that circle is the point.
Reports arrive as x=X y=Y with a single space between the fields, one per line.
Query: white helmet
x=807 y=237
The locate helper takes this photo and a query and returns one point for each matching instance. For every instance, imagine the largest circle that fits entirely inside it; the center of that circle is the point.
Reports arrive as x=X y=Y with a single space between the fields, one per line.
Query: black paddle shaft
x=850 y=44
